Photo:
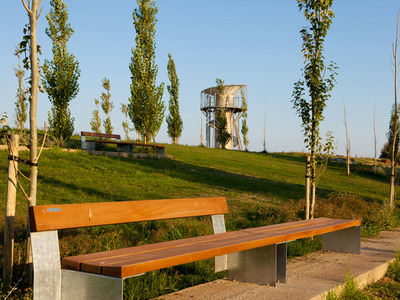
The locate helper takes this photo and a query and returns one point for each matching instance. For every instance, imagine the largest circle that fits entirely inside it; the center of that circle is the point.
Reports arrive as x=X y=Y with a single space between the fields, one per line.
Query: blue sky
x=252 y=42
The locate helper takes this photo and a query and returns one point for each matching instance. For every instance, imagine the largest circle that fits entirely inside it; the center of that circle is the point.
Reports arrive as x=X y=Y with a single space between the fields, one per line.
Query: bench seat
x=128 y=146
x=121 y=146
x=132 y=261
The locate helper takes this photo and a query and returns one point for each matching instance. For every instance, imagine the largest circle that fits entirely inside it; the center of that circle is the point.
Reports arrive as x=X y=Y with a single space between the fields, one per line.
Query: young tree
x=29 y=44
x=106 y=105
x=125 y=124
x=95 y=123
x=347 y=142
x=244 y=129
x=21 y=103
x=310 y=109
x=3 y=120
x=265 y=128
x=395 y=119
x=146 y=108
x=375 y=140
x=61 y=73
x=174 y=120
x=221 y=123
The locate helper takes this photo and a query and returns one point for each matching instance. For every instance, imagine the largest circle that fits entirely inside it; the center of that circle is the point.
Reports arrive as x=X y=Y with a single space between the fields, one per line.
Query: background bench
x=255 y=255
x=116 y=139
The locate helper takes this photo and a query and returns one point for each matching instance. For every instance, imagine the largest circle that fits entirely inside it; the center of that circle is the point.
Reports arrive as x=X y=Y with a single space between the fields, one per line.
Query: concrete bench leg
x=346 y=240
x=90 y=145
x=259 y=265
x=81 y=285
x=160 y=151
x=125 y=148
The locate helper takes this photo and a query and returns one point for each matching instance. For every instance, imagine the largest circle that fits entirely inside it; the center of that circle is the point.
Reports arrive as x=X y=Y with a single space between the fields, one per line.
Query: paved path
x=310 y=276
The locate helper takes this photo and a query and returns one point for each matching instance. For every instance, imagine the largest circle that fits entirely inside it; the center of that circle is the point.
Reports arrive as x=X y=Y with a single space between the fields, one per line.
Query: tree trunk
x=347 y=142
x=348 y=158
x=392 y=186
x=8 y=249
x=313 y=187
x=375 y=141
x=307 y=200
x=313 y=196
x=396 y=119
x=33 y=16
x=33 y=107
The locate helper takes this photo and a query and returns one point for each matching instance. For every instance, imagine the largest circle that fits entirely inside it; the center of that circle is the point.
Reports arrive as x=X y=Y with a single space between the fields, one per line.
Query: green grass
x=386 y=288
x=260 y=188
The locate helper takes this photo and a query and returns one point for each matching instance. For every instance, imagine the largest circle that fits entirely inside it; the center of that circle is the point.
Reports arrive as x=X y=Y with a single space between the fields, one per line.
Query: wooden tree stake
x=8 y=250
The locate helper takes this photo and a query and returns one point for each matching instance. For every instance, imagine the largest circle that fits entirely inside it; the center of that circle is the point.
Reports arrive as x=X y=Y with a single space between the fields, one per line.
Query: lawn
x=260 y=189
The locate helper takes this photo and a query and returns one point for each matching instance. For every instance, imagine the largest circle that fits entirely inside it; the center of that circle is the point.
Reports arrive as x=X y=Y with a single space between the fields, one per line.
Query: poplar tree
x=125 y=124
x=21 y=103
x=146 y=108
x=95 y=123
x=311 y=94
x=395 y=119
x=106 y=105
x=174 y=120
x=61 y=73
x=244 y=129
x=221 y=123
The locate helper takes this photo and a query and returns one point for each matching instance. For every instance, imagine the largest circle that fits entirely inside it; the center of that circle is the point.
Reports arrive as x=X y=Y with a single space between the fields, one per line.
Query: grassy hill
x=260 y=188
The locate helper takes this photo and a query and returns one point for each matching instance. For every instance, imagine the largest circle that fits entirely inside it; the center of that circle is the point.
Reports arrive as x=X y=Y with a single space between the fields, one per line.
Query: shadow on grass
x=218 y=179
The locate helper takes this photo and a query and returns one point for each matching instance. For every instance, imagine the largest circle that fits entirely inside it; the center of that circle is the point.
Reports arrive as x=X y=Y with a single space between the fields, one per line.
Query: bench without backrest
x=263 y=249
x=121 y=146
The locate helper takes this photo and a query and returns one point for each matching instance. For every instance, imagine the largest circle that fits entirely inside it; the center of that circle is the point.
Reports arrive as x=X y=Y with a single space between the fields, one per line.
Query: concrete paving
x=310 y=276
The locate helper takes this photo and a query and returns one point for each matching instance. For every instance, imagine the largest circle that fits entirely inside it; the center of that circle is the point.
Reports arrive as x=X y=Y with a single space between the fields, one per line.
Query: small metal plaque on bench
x=55 y=209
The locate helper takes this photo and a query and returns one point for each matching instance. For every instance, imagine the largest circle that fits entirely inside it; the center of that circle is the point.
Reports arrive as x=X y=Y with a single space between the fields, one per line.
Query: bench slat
x=103 y=135
x=129 y=143
x=73 y=262
x=63 y=216
x=132 y=261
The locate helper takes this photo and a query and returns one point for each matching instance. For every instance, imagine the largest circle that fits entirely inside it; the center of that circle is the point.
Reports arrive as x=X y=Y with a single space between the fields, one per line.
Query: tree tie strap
x=21 y=160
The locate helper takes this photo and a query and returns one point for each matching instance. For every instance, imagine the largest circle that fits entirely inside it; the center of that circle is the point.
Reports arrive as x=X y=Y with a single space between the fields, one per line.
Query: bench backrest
x=101 y=135
x=63 y=216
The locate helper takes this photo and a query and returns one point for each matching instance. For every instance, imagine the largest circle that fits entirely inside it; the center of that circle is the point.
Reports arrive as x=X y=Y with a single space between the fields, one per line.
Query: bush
x=374 y=216
x=393 y=270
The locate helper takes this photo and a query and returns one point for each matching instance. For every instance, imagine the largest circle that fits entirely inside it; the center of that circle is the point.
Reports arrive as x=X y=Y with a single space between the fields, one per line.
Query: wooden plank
x=103 y=135
x=199 y=252
x=136 y=260
x=63 y=216
x=129 y=143
x=74 y=261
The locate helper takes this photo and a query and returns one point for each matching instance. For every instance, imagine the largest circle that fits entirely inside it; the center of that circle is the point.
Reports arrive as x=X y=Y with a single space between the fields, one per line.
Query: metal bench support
x=46 y=265
x=81 y=285
x=346 y=240
x=281 y=262
x=221 y=262
x=124 y=148
x=160 y=151
x=259 y=265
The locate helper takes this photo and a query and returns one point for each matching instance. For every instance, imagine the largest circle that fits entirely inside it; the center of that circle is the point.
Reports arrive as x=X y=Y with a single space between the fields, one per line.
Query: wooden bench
x=256 y=255
x=121 y=146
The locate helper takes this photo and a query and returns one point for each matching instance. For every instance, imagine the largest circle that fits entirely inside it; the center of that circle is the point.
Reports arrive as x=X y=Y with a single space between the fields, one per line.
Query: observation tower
x=231 y=102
